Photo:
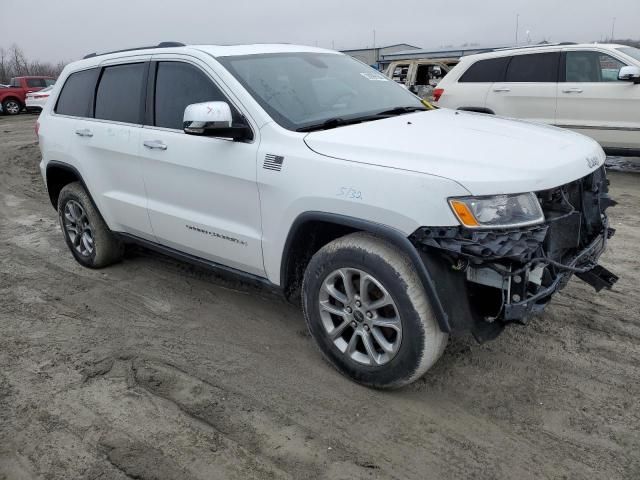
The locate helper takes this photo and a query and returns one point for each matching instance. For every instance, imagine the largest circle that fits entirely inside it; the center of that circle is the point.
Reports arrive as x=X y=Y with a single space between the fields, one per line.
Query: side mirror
x=214 y=119
x=629 y=74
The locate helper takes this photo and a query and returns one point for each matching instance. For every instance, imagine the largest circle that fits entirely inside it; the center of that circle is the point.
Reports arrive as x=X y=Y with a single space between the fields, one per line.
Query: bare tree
x=14 y=63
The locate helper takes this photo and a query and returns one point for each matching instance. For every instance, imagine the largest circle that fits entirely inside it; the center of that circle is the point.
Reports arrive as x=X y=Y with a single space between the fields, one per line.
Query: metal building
x=373 y=56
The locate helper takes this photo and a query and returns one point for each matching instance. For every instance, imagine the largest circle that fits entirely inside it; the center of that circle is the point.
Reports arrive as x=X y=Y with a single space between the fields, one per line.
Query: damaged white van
x=307 y=171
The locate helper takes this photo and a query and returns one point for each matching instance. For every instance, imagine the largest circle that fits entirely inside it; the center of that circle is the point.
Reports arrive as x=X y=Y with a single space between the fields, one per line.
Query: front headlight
x=498 y=211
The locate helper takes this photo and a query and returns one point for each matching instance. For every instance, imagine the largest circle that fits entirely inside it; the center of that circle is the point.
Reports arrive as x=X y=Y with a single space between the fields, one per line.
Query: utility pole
x=613 y=28
x=517 y=26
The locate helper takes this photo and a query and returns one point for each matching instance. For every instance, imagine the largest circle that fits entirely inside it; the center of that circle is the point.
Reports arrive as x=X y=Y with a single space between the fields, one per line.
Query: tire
x=408 y=324
x=11 y=106
x=91 y=242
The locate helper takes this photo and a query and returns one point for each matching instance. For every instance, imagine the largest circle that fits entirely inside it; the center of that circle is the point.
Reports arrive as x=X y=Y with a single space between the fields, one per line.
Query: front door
x=202 y=191
x=594 y=102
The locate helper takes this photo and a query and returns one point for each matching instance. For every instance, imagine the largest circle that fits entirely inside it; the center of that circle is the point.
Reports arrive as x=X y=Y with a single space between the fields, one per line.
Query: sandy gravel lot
x=152 y=369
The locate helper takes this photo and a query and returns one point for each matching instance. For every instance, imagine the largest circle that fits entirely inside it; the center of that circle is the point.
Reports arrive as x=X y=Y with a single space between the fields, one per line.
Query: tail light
x=40 y=96
x=437 y=93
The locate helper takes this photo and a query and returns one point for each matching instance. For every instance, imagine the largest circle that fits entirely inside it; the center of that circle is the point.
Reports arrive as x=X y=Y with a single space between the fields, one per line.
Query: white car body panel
x=396 y=172
x=461 y=146
x=37 y=99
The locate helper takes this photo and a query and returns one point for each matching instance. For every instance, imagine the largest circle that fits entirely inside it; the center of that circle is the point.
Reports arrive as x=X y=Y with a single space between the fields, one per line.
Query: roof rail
x=160 y=45
x=537 y=45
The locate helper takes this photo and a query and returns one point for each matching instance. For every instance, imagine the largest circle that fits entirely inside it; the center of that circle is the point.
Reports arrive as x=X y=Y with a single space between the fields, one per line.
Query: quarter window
x=178 y=85
x=537 y=67
x=592 y=67
x=486 y=71
x=77 y=92
x=120 y=93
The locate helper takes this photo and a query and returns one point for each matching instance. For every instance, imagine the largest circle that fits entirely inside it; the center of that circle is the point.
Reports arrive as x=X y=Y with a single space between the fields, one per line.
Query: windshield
x=299 y=90
x=631 y=51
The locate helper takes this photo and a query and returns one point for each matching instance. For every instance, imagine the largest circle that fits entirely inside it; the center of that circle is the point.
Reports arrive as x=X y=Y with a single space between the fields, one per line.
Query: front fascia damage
x=487 y=279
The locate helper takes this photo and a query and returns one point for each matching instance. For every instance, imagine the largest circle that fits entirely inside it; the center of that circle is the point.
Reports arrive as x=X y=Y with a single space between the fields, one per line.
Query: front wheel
x=368 y=312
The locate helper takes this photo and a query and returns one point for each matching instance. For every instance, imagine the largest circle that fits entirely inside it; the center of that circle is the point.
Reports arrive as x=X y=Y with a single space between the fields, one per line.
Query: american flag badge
x=273 y=162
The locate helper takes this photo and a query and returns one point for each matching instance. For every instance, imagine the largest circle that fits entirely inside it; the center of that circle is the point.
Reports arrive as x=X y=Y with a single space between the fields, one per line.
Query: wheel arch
x=12 y=97
x=58 y=174
x=310 y=231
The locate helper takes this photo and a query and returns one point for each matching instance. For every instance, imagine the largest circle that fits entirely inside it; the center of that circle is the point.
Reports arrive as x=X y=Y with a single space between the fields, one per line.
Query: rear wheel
x=11 y=106
x=91 y=242
x=369 y=314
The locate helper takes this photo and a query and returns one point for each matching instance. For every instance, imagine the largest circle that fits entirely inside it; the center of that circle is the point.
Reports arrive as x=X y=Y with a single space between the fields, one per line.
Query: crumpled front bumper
x=508 y=274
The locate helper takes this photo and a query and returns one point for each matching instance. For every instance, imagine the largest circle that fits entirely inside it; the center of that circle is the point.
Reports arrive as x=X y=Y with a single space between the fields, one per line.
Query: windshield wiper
x=340 y=122
x=331 y=123
x=402 y=110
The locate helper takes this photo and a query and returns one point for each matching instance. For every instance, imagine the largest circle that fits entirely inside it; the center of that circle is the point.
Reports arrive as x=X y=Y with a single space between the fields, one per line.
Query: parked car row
x=24 y=92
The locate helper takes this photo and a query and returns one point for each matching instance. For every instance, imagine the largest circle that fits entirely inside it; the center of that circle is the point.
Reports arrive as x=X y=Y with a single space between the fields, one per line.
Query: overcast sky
x=68 y=29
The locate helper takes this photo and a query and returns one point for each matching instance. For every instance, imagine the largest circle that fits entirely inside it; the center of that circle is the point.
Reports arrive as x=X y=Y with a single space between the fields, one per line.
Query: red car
x=12 y=99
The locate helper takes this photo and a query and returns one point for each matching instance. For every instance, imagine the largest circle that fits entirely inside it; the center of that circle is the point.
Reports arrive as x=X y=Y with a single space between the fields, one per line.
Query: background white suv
x=593 y=89
x=307 y=171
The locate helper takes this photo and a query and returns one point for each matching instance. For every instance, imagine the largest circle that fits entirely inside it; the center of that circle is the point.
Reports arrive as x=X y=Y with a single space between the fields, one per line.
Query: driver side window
x=178 y=85
x=592 y=67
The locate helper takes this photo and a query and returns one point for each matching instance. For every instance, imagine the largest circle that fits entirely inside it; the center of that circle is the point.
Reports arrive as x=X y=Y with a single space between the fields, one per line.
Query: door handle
x=84 y=132
x=501 y=89
x=572 y=90
x=155 y=145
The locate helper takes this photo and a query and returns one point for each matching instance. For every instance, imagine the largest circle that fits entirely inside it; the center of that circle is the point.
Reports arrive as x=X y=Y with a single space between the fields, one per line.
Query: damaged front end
x=507 y=274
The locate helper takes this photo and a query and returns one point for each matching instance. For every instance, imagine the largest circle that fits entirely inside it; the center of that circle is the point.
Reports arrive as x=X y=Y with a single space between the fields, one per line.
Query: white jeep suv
x=593 y=89
x=309 y=172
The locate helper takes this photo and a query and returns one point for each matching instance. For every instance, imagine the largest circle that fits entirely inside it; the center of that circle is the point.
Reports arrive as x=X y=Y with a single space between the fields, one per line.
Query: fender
x=394 y=236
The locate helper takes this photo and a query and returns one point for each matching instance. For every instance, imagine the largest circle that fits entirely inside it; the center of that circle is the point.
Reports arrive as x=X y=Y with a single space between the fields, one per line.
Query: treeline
x=14 y=63
x=631 y=43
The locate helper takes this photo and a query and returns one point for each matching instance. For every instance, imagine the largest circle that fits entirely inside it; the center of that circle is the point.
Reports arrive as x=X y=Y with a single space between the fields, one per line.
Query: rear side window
x=36 y=83
x=77 y=93
x=179 y=84
x=486 y=71
x=537 y=67
x=49 y=82
x=120 y=93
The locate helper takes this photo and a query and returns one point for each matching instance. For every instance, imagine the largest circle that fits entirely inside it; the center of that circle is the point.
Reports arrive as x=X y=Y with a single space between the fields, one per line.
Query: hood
x=486 y=154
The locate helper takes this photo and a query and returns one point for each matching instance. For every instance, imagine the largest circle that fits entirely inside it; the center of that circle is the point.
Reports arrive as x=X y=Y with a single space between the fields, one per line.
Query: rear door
x=529 y=89
x=203 y=194
x=592 y=101
x=106 y=146
x=471 y=89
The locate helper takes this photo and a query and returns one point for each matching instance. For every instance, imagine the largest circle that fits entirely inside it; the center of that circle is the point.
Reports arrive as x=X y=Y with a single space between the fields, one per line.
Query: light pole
x=517 y=26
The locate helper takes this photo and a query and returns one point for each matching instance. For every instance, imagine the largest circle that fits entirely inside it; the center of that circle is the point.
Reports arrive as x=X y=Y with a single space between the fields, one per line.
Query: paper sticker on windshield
x=374 y=77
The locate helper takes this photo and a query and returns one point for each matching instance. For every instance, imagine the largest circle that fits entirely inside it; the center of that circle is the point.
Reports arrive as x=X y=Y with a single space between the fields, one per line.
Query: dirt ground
x=152 y=369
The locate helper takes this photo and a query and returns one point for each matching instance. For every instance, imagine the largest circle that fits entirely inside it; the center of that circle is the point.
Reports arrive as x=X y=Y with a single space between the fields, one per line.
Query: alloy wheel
x=360 y=317
x=78 y=228
x=12 y=107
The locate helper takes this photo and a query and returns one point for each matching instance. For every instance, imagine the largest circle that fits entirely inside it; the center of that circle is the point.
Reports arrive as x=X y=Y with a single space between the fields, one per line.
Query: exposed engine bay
x=509 y=274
